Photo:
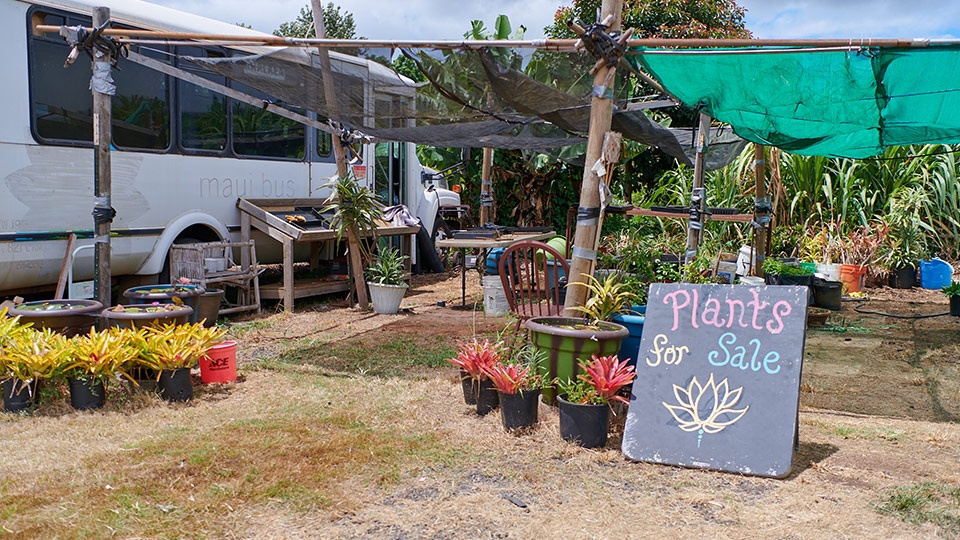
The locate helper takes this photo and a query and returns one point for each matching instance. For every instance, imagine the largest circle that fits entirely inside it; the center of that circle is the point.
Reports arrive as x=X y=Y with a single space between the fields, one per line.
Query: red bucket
x=219 y=365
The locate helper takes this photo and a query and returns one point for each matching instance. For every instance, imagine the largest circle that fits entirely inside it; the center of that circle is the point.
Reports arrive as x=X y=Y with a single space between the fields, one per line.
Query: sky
x=449 y=19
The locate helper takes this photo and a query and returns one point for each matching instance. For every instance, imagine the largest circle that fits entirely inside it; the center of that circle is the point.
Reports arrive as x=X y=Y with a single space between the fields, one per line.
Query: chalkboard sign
x=718 y=378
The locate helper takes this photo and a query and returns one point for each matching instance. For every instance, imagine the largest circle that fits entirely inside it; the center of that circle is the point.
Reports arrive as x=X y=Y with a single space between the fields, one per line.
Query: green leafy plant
x=173 y=346
x=388 y=268
x=31 y=355
x=607 y=298
x=98 y=355
x=953 y=289
x=355 y=208
x=602 y=379
x=780 y=268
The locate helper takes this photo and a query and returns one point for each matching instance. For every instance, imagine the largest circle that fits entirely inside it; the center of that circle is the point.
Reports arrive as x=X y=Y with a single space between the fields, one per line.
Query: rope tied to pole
x=91 y=41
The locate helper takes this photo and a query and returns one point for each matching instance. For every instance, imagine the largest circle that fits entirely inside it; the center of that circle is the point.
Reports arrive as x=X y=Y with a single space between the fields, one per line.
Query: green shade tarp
x=839 y=103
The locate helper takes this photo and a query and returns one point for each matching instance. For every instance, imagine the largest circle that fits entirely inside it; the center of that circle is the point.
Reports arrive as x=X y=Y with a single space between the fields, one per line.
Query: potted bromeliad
x=952 y=291
x=27 y=358
x=171 y=351
x=91 y=361
x=565 y=339
x=585 y=402
x=518 y=383
x=473 y=357
x=385 y=279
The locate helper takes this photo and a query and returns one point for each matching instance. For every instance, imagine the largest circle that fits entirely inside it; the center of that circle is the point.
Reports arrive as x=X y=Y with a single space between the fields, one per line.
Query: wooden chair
x=531 y=279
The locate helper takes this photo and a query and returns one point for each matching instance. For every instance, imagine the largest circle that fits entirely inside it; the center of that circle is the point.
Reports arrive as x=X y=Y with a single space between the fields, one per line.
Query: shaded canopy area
x=839 y=103
x=492 y=98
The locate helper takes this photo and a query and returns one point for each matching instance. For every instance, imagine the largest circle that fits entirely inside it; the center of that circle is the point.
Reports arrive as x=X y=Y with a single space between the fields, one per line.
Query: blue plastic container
x=492 y=265
x=935 y=274
x=630 y=346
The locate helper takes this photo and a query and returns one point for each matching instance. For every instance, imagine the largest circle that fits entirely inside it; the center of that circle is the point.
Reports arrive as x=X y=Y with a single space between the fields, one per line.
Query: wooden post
x=486 y=187
x=760 y=192
x=101 y=85
x=584 y=255
x=330 y=96
x=695 y=227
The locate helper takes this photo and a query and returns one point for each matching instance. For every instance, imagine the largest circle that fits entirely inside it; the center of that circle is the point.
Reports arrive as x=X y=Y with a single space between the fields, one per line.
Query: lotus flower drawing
x=706 y=408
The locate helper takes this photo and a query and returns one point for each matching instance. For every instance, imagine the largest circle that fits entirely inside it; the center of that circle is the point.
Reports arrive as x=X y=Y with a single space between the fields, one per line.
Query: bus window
x=203 y=113
x=324 y=143
x=141 y=106
x=260 y=133
x=60 y=98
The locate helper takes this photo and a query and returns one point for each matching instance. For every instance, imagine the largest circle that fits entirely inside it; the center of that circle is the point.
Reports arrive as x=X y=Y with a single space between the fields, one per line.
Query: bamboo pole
x=550 y=44
x=330 y=96
x=102 y=187
x=584 y=254
x=486 y=187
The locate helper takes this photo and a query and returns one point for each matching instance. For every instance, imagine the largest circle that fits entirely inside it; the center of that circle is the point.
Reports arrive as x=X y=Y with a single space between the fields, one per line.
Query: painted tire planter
x=584 y=424
x=519 y=411
x=567 y=340
x=86 y=394
x=67 y=317
x=165 y=293
x=19 y=395
x=633 y=322
x=175 y=384
x=135 y=315
x=386 y=298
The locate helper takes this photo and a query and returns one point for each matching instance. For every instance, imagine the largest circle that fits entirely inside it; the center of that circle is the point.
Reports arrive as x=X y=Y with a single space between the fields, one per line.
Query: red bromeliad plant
x=513 y=378
x=601 y=382
x=474 y=355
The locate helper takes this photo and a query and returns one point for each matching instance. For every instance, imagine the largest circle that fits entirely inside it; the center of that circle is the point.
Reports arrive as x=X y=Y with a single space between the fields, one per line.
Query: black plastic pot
x=487 y=397
x=469 y=385
x=175 y=384
x=18 y=395
x=586 y=425
x=827 y=294
x=86 y=393
x=785 y=279
x=955 y=306
x=519 y=411
x=903 y=278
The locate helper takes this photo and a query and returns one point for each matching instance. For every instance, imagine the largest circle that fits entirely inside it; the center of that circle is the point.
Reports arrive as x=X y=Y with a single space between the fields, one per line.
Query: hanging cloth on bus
x=838 y=103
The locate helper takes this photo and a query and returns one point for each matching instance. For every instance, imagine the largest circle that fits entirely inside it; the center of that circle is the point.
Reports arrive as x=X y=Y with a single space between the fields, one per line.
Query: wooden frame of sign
x=718 y=378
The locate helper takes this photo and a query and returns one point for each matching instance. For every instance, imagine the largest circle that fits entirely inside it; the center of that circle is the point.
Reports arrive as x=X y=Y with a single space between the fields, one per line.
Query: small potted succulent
x=472 y=357
x=385 y=279
x=585 y=402
x=953 y=294
x=518 y=383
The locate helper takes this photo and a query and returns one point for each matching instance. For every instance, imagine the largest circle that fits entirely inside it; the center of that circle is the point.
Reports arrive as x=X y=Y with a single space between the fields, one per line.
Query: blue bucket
x=492 y=265
x=630 y=346
x=935 y=274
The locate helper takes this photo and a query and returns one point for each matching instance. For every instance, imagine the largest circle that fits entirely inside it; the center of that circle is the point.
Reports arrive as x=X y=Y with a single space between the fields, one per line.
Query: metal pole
x=698 y=199
x=102 y=88
x=584 y=254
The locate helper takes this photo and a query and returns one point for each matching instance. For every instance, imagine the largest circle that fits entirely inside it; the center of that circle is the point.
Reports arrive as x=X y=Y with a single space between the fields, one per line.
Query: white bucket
x=829 y=271
x=494 y=299
x=746 y=261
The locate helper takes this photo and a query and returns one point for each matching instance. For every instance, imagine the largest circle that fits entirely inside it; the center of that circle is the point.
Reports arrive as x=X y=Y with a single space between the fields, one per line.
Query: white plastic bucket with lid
x=494 y=299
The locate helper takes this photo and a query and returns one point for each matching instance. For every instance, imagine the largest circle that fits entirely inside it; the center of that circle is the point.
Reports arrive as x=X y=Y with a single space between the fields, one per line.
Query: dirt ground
x=879 y=413
x=880 y=410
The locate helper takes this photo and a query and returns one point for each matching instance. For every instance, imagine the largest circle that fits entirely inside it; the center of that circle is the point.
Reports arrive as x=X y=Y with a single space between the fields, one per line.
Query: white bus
x=182 y=154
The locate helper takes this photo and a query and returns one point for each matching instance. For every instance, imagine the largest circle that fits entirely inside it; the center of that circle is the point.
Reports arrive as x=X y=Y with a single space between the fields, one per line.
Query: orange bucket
x=219 y=365
x=852 y=276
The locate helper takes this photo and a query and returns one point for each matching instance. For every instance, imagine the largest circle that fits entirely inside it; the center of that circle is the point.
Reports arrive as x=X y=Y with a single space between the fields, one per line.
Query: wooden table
x=256 y=213
x=483 y=244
